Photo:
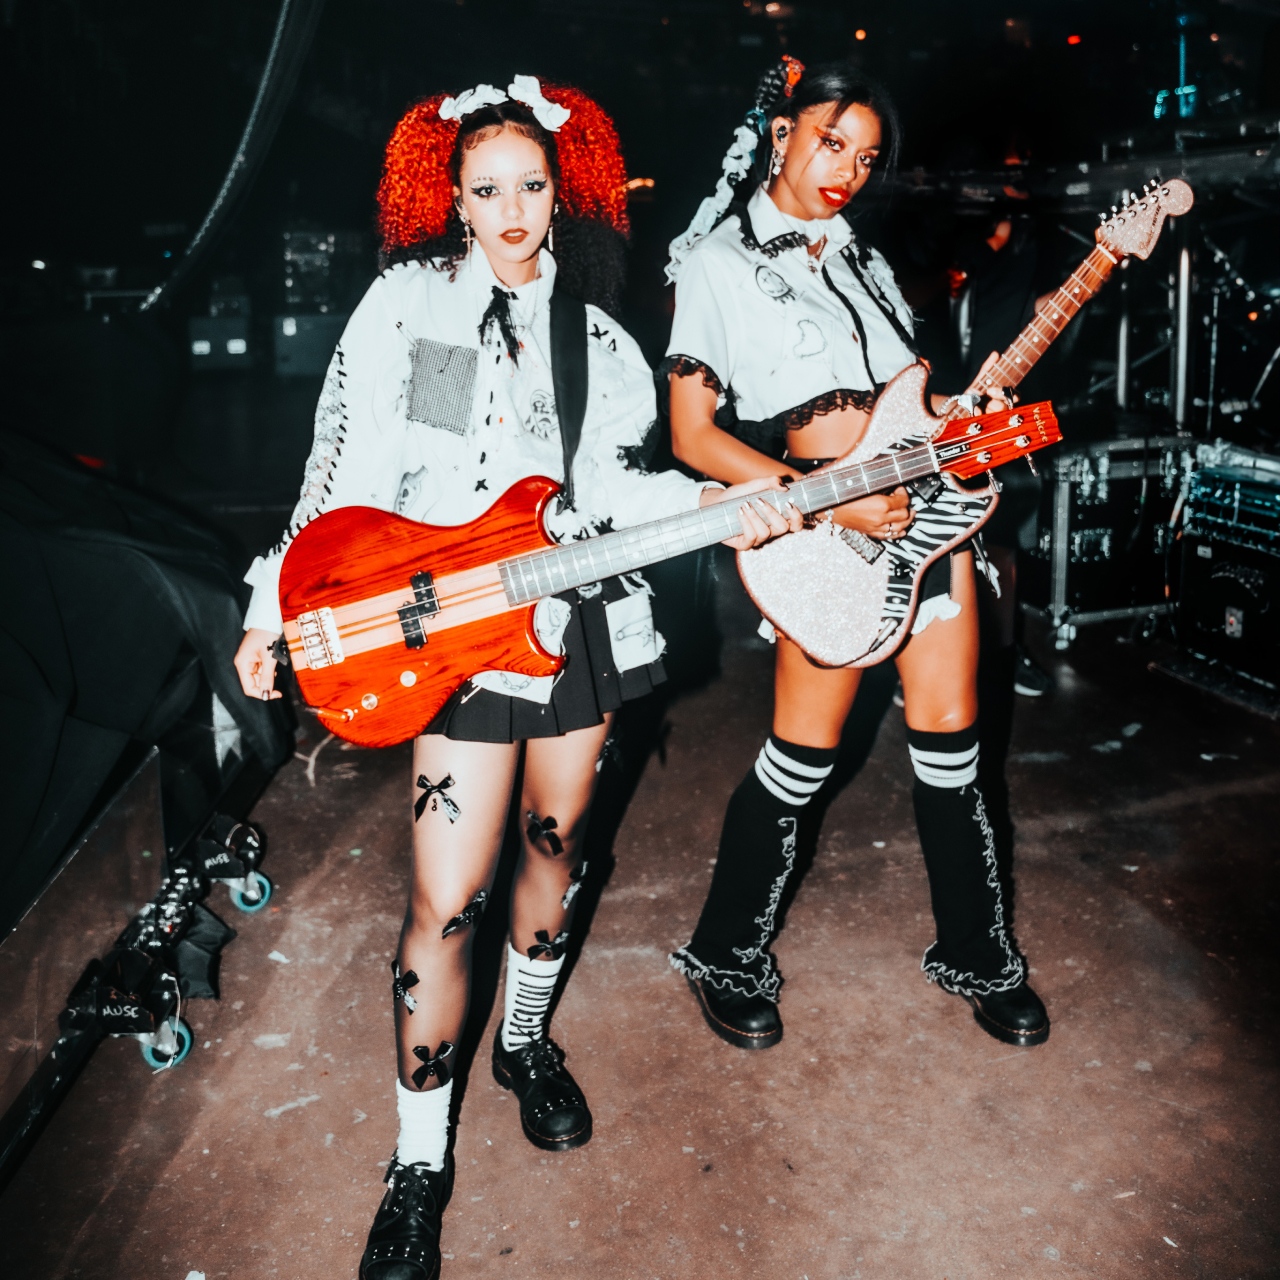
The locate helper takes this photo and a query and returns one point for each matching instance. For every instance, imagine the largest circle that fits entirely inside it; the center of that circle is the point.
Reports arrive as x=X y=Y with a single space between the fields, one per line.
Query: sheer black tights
x=461 y=797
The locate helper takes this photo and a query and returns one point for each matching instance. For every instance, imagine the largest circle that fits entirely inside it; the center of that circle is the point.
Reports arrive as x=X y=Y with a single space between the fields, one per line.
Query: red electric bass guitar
x=385 y=618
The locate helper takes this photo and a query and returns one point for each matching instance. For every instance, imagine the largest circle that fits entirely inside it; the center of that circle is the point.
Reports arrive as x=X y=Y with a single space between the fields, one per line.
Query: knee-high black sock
x=973 y=954
x=757 y=853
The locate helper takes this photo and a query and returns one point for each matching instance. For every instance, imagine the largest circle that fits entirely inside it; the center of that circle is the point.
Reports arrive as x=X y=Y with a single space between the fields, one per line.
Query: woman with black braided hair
x=786 y=328
x=449 y=386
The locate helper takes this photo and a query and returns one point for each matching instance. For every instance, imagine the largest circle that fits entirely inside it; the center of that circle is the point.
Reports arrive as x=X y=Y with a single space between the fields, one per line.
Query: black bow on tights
x=440 y=1066
x=544 y=829
x=499 y=312
x=546 y=945
x=430 y=789
x=468 y=915
x=400 y=986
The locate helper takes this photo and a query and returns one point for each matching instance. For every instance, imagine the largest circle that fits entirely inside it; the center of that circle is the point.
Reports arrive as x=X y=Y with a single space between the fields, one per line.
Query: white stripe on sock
x=530 y=986
x=794 y=766
x=774 y=769
x=950 y=769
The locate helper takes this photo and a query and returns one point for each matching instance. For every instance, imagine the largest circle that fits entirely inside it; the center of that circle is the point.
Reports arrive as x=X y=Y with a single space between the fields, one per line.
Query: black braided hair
x=836 y=84
x=591 y=258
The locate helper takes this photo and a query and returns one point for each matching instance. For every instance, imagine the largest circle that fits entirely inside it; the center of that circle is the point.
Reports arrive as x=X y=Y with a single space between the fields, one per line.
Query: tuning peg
x=1031 y=464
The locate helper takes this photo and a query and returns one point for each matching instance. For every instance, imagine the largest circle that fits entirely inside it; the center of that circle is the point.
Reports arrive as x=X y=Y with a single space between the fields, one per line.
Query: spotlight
x=38 y=264
x=1073 y=39
x=859 y=34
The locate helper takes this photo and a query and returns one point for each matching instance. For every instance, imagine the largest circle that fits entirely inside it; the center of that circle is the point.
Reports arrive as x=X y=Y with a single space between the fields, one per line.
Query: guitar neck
x=545 y=573
x=1053 y=315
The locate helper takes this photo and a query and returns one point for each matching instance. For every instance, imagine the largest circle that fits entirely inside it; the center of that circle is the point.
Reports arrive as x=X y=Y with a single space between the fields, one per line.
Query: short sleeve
x=700 y=330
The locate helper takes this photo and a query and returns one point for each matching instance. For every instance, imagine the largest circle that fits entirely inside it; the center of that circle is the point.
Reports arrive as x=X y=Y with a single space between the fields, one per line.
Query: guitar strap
x=569 y=379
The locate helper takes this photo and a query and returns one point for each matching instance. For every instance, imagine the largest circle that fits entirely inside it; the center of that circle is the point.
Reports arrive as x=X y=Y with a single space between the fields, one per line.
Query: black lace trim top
x=769 y=436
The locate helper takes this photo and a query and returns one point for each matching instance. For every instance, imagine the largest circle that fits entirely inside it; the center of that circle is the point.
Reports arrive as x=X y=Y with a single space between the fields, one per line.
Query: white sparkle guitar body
x=818 y=587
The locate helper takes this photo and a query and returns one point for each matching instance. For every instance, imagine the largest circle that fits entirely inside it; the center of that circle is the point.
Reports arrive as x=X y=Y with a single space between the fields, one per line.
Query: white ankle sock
x=530 y=984
x=424 y=1125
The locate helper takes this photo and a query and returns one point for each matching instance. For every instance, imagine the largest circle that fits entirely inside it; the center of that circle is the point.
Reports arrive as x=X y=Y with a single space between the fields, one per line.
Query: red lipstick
x=836 y=197
x=515 y=235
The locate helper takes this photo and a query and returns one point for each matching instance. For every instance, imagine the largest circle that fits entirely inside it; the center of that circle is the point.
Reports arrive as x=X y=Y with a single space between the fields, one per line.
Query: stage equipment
x=125 y=736
x=294 y=29
x=1229 y=606
x=1108 y=517
x=386 y=618
x=304 y=344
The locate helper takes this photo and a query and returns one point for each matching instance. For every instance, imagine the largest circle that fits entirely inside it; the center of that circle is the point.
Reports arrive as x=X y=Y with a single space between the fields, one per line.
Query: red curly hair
x=415 y=196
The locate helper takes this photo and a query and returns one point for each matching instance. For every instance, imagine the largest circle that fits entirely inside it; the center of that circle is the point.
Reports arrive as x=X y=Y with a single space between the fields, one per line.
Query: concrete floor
x=886 y=1136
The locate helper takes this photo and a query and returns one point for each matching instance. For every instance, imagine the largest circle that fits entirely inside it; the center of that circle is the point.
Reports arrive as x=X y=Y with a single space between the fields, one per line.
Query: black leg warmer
x=974 y=954
x=729 y=948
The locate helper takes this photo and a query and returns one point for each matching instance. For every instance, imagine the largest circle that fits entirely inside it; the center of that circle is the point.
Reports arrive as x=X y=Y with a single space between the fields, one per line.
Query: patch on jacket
x=442 y=385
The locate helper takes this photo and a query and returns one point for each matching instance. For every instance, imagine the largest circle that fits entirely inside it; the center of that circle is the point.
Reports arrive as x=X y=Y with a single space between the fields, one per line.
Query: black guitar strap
x=569 y=379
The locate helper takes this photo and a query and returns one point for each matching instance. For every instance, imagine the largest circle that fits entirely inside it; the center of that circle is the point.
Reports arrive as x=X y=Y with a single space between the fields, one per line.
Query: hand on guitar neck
x=255 y=659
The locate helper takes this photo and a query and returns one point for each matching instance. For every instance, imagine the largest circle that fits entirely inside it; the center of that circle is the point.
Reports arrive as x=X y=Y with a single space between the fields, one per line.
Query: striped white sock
x=530 y=985
x=790 y=779
x=947 y=760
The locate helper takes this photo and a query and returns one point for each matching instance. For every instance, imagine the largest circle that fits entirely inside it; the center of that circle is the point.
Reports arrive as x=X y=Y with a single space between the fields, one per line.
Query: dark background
x=122 y=118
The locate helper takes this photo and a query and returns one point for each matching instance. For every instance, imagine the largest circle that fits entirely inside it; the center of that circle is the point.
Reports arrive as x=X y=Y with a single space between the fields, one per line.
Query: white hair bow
x=526 y=89
x=550 y=115
x=483 y=95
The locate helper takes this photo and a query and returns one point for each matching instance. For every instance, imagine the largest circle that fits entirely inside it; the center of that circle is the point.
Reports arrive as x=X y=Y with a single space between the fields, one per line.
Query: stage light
x=38 y=264
x=859 y=34
x=1253 y=315
x=1213 y=36
x=772 y=7
x=1073 y=39
x=638 y=184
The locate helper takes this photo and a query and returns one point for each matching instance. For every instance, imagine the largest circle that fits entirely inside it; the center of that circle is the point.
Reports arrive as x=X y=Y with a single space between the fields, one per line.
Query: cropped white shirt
x=767 y=319
x=420 y=417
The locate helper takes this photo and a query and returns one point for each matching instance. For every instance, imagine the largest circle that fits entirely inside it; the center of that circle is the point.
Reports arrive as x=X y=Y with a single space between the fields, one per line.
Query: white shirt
x=770 y=328
x=395 y=429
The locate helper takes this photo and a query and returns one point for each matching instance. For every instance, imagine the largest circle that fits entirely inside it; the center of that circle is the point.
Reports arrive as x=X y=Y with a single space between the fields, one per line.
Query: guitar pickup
x=868 y=548
x=926 y=488
x=424 y=605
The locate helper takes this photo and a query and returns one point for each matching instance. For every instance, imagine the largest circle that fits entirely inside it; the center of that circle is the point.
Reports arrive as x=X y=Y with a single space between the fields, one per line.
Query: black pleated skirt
x=587 y=687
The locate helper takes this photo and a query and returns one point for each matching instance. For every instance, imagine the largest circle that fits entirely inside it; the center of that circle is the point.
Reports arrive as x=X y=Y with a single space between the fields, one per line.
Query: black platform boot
x=553 y=1112
x=747 y=1021
x=404 y=1241
x=1017 y=1016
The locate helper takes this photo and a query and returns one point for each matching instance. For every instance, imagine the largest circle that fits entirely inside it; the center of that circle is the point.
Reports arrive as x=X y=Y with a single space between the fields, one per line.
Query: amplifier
x=1229 y=606
x=1105 y=532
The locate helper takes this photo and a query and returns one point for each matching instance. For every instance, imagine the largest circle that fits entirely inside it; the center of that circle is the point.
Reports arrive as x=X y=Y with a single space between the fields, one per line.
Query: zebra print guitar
x=847 y=600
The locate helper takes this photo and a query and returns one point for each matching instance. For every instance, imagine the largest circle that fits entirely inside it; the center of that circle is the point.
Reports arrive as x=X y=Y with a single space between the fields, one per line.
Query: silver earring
x=776 y=166
x=551 y=229
x=466 y=227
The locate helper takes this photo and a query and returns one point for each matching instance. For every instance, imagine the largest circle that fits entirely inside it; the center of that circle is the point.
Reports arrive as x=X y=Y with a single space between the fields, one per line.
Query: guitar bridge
x=320 y=641
x=868 y=548
x=424 y=605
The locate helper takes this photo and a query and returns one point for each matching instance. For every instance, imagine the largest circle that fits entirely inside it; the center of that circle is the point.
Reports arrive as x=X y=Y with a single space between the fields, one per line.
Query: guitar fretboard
x=545 y=573
x=1054 y=315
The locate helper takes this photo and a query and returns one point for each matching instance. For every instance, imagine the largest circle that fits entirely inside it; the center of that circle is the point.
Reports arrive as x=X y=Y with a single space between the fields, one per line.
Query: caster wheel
x=158 y=1058
x=248 y=904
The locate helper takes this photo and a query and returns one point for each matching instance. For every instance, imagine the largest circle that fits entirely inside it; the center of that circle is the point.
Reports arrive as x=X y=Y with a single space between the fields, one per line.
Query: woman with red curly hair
x=476 y=359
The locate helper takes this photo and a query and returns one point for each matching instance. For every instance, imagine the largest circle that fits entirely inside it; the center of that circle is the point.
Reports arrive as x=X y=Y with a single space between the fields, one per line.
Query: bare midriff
x=830 y=436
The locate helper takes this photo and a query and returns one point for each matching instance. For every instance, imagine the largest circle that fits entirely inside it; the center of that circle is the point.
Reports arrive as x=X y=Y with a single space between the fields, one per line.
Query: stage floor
x=886 y=1136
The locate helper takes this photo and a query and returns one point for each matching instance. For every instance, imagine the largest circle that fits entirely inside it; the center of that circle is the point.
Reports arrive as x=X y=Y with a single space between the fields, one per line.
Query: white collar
x=768 y=221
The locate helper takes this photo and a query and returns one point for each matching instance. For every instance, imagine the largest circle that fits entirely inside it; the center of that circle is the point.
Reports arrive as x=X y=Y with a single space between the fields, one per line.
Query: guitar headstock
x=1133 y=229
x=968 y=447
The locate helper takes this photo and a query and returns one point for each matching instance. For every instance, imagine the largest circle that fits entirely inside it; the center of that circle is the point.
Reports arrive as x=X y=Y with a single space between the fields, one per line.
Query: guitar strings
x=873 y=472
